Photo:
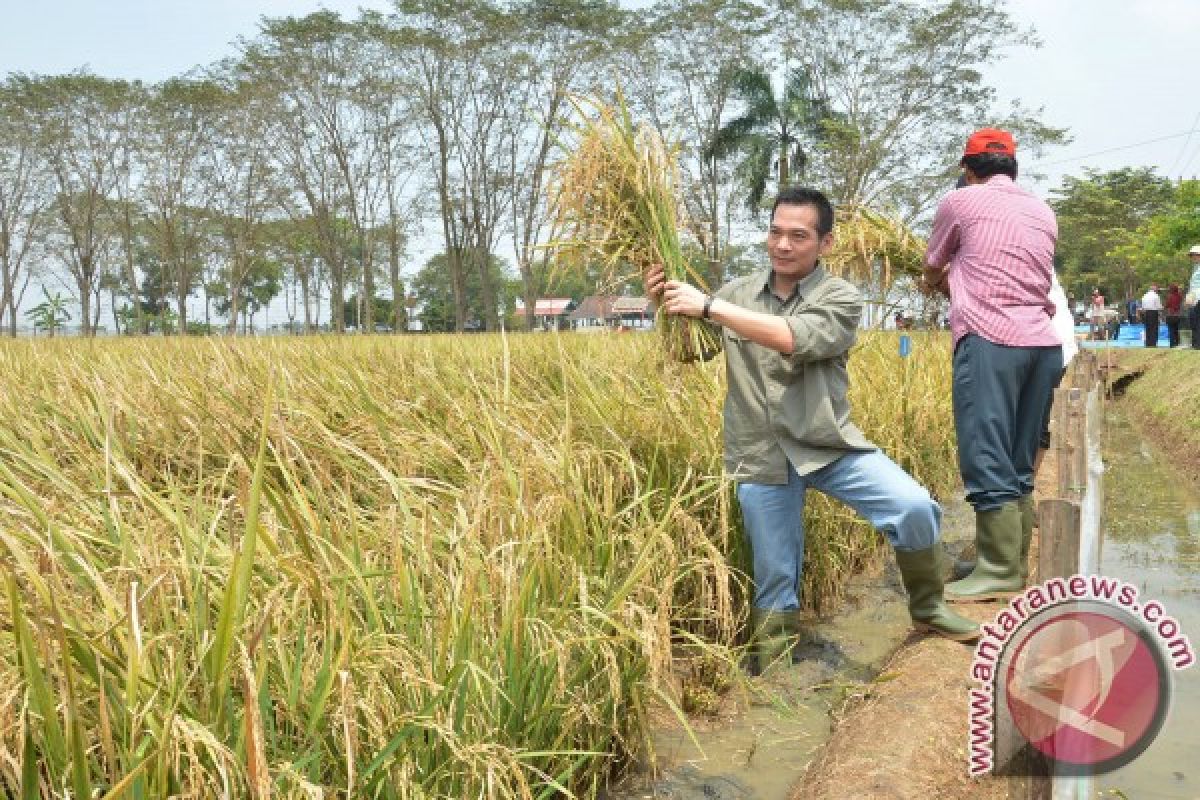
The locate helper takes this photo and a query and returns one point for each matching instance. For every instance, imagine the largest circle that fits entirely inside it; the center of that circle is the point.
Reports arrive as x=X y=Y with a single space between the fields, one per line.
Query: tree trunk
x=143 y=324
x=181 y=310
x=399 y=301
x=367 y=305
x=112 y=301
x=235 y=304
x=487 y=290
x=306 y=296
x=85 y=298
x=8 y=310
x=337 y=297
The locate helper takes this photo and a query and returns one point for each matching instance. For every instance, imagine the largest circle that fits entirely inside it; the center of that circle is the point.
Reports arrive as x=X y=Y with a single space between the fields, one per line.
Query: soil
x=906 y=738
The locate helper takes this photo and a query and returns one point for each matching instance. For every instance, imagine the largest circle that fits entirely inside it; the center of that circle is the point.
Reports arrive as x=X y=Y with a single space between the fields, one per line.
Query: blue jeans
x=869 y=482
x=1001 y=398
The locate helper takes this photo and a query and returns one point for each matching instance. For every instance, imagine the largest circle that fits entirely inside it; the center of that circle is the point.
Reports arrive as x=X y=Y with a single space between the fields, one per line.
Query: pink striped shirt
x=999 y=242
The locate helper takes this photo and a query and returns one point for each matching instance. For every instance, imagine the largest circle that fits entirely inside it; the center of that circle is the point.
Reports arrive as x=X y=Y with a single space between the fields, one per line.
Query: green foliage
x=1100 y=217
x=774 y=132
x=381 y=310
x=905 y=81
x=435 y=295
x=51 y=314
x=1177 y=228
x=262 y=281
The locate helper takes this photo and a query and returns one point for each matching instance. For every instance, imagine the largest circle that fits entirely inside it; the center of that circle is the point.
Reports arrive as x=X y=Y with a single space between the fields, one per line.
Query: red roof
x=551 y=306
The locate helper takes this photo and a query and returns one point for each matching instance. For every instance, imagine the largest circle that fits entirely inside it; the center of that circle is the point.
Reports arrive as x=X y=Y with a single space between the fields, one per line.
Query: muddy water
x=771 y=727
x=1152 y=538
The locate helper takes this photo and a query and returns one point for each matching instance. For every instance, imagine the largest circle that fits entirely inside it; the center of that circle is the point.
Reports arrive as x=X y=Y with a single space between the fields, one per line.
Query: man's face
x=793 y=242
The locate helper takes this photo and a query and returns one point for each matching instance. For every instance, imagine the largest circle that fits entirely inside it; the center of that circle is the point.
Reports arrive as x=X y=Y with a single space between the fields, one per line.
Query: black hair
x=985 y=165
x=803 y=196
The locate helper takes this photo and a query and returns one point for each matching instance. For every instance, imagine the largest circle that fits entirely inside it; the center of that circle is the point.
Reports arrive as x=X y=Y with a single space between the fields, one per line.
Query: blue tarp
x=1128 y=336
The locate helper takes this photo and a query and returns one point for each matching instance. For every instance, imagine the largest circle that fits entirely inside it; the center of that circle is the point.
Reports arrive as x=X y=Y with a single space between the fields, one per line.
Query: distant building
x=633 y=312
x=550 y=313
x=593 y=312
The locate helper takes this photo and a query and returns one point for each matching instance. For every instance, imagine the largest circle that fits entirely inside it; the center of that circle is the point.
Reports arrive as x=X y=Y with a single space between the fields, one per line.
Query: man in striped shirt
x=992 y=250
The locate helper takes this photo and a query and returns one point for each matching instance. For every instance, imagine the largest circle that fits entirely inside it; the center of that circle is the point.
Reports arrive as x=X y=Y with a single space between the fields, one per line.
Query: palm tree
x=772 y=131
x=50 y=314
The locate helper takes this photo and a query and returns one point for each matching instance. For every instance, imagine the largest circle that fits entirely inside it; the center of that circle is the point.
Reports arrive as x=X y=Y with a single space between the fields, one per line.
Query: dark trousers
x=1173 y=321
x=1151 y=320
x=1001 y=397
x=1194 y=324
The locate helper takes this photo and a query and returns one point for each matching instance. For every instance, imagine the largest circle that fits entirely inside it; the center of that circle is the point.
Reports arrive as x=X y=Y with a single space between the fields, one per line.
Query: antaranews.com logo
x=1078 y=669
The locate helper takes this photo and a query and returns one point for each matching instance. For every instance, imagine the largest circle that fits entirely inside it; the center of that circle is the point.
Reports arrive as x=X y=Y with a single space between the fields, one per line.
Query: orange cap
x=990 y=140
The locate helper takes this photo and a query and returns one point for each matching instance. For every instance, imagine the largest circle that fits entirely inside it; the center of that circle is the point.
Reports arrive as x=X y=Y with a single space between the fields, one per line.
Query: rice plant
x=873 y=247
x=434 y=567
x=614 y=202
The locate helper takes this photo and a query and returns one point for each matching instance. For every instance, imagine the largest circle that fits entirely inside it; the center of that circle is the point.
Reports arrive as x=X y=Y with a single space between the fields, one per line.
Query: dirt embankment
x=906 y=738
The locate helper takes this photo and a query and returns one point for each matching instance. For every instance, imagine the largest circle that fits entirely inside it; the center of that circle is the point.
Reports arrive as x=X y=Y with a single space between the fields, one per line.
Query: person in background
x=1096 y=314
x=1131 y=311
x=993 y=246
x=1173 y=310
x=1151 y=309
x=1191 y=300
x=787 y=332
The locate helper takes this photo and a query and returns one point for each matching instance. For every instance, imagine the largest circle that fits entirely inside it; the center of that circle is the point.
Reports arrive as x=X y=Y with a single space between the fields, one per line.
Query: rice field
x=433 y=567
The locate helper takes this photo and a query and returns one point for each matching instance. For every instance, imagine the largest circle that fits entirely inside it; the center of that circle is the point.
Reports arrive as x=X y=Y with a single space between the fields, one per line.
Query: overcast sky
x=1118 y=74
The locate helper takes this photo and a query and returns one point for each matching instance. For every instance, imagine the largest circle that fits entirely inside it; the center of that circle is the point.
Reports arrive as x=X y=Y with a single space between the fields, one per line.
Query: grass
x=379 y=567
x=1167 y=391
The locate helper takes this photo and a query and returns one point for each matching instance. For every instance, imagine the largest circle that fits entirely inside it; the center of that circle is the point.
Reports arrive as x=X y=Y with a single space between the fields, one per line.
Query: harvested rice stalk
x=613 y=203
x=874 y=248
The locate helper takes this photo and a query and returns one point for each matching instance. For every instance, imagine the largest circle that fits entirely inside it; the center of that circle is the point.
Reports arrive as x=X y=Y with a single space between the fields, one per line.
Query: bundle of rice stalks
x=871 y=248
x=613 y=204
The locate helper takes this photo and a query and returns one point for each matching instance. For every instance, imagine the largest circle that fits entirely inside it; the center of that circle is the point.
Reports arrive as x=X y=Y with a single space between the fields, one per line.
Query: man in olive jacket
x=786 y=334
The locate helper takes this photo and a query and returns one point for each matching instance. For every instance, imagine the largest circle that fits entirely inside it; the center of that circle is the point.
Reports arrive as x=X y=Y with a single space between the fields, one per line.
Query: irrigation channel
x=768 y=729
x=1152 y=538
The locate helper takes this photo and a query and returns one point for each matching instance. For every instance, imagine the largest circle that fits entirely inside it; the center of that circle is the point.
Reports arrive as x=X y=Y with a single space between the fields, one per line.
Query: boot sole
x=983 y=597
x=924 y=627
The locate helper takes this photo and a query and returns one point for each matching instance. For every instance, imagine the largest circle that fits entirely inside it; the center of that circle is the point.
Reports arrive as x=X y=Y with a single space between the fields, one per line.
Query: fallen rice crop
x=381 y=567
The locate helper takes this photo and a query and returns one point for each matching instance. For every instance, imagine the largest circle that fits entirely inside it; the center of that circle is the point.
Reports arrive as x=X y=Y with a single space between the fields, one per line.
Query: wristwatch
x=708 y=300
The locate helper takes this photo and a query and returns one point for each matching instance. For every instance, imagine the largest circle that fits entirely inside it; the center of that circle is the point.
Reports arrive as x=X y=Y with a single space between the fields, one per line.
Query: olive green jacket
x=782 y=408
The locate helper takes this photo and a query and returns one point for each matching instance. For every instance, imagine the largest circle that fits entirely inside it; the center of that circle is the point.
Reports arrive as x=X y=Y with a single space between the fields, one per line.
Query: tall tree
x=774 y=131
x=398 y=204
x=178 y=130
x=237 y=172
x=311 y=66
x=561 y=47
x=440 y=45
x=1100 y=214
x=903 y=82
x=25 y=195
x=684 y=82
x=128 y=170
x=81 y=121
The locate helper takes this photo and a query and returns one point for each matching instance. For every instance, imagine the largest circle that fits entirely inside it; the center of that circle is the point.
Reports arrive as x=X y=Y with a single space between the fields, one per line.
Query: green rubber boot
x=1028 y=518
x=997 y=574
x=921 y=571
x=964 y=567
x=774 y=639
